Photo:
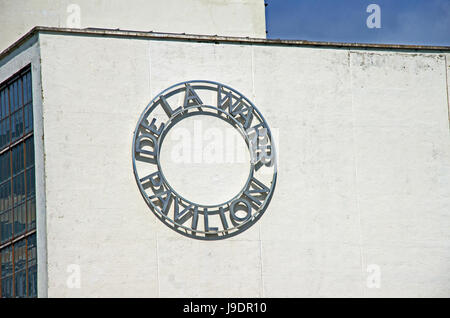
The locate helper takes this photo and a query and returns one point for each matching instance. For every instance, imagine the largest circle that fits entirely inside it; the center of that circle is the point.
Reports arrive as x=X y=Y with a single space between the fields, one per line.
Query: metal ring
x=168 y=205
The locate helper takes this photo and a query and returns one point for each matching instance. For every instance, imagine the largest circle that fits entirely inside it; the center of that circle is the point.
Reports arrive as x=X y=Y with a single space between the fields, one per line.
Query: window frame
x=21 y=201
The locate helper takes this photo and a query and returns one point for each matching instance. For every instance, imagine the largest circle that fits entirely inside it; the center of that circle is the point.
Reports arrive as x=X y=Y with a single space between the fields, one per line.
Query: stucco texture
x=363 y=171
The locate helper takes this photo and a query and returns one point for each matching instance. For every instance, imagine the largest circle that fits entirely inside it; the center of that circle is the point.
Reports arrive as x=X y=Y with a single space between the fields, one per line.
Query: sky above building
x=419 y=22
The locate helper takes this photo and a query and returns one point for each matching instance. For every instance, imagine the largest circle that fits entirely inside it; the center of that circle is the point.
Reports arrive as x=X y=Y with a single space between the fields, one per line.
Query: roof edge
x=213 y=38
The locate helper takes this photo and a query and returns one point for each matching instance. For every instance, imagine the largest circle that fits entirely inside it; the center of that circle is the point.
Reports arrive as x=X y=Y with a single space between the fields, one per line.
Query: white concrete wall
x=221 y=17
x=364 y=174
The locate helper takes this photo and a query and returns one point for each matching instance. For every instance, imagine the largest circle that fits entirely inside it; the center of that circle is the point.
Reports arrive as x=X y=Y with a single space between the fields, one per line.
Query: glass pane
x=5 y=103
x=21 y=283
x=19 y=92
x=19 y=188
x=29 y=145
x=20 y=255
x=32 y=267
x=3 y=112
x=25 y=88
x=5 y=167
x=20 y=264
x=5 y=196
x=6 y=226
x=16 y=95
x=4 y=132
x=7 y=268
x=19 y=219
x=13 y=127
x=7 y=290
x=28 y=87
x=12 y=96
x=31 y=214
x=15 y=92
x=32 y=252
x=16 y=125
x=17 y=159
x=30 y=183
x=28 y=118
x=32 y=281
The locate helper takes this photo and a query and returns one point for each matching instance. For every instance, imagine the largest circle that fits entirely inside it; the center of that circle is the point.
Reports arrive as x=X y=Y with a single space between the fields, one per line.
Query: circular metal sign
x=206 y=222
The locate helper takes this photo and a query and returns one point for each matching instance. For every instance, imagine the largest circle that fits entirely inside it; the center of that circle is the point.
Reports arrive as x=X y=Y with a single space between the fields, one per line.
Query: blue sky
x=421 y=22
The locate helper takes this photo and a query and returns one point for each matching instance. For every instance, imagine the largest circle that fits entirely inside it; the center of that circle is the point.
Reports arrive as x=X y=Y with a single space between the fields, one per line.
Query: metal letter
x=183 y=216
x=205 y=217
x=152 y=127
x=233 y=212
x=147 y=152
x=190 y=97
x=165 y=202
x=165 y=105
x=262 y=189
x=223 y=218
x=154 y=178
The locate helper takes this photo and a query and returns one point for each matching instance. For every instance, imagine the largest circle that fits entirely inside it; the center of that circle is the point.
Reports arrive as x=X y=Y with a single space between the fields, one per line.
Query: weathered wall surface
x=364 y=174
x=230 y=17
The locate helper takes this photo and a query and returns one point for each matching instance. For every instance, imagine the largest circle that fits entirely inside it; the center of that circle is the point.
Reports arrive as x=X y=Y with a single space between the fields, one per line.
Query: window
x=18 y=270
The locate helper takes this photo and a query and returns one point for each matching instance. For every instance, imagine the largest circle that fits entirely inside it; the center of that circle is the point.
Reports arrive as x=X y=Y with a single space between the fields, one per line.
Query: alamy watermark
x=374 y=278
x=214 y=145
x=74 y=278
x=74 y=16
x=374 y=19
